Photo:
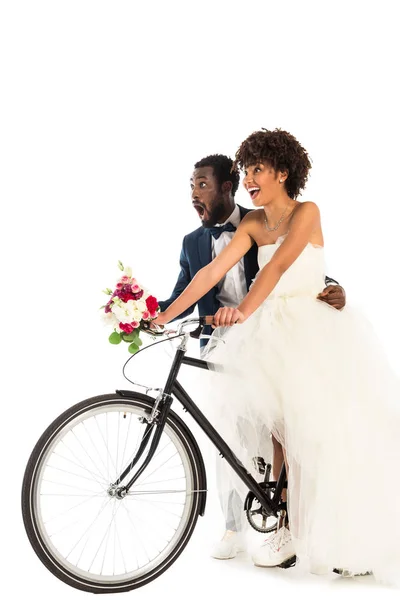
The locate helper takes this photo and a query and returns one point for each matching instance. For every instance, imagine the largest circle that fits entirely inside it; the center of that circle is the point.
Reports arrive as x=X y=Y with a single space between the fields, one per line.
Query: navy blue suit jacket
x=196 y=253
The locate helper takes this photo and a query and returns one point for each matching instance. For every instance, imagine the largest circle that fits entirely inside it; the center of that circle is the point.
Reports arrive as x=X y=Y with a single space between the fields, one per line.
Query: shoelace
x=281 y=537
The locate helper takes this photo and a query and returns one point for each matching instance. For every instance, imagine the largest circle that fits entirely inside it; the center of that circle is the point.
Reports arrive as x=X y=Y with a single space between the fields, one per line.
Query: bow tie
x=216 y=231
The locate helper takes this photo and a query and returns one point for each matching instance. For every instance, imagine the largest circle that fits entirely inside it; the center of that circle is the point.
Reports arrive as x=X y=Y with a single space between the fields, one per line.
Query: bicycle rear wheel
x=85 y=535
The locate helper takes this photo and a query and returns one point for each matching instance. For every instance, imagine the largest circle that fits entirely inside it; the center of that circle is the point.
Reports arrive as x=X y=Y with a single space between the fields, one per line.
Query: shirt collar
x=234 y=218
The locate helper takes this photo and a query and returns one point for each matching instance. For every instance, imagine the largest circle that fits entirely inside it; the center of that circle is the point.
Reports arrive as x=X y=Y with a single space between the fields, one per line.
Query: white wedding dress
x=319 y=380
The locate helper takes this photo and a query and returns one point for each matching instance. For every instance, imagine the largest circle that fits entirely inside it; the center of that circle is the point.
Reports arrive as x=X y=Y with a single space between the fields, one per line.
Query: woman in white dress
x=317 y=377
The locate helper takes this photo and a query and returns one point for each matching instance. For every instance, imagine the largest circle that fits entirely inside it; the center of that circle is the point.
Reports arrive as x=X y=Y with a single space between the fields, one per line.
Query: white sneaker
x=229 y=547
x=348 y=573
x=276 y=550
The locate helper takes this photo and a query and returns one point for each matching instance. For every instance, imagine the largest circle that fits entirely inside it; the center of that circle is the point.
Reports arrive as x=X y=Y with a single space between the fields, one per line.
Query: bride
x=317 y=377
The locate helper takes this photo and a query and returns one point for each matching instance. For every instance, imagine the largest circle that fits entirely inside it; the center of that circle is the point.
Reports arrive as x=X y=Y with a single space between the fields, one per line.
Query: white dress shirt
x=232 y=288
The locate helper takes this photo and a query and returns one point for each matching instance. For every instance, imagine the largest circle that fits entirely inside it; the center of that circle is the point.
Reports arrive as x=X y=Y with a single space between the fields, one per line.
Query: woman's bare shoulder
x=253 y=216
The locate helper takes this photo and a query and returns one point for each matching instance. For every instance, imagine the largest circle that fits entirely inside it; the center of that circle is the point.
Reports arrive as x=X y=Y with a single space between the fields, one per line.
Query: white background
x=105 y=107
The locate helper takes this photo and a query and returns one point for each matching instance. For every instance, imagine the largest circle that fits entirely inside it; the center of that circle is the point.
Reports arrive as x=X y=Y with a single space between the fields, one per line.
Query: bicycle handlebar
x=161 y=331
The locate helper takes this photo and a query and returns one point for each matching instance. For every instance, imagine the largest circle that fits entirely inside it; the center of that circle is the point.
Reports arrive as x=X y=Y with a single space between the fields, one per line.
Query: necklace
x=278 y=223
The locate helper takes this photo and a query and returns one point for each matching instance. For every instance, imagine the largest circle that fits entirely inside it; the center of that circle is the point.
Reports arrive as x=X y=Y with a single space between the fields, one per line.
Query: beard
x=214 y=216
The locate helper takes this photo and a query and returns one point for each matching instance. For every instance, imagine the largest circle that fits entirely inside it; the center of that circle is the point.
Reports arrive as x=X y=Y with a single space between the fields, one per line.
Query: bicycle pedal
x=260 y=465
x=290 y=562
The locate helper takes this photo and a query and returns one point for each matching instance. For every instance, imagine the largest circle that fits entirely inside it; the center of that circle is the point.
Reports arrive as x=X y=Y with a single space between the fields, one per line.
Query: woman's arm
x=305 y=221
x=209 y=276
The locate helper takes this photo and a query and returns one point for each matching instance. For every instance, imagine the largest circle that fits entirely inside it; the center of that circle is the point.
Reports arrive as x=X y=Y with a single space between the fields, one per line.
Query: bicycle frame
x=157 y=422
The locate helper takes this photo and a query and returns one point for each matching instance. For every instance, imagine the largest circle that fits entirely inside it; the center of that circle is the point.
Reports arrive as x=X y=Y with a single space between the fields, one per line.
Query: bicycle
x=114 y=486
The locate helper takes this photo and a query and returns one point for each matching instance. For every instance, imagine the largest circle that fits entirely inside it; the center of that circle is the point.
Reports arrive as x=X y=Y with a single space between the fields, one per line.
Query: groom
x=213 y=187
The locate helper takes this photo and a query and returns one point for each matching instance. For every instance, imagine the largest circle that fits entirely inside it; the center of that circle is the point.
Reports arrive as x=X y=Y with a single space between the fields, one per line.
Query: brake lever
x=196 y=333
x=203 y=321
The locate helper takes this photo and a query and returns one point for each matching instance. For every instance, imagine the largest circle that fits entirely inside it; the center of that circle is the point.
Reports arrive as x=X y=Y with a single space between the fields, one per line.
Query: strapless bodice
x=306 y=276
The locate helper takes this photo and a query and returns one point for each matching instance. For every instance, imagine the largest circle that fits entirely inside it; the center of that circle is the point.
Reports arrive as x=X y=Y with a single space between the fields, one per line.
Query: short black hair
x=223 y=169
x=282 y=151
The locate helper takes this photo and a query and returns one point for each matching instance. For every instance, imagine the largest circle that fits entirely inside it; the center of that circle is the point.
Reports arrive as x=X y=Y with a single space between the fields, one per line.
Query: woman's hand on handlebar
x=226 y=317
x=161 y=320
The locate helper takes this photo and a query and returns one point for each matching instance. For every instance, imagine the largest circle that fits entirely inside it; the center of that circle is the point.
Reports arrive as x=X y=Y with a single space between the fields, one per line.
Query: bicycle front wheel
x=85 y=534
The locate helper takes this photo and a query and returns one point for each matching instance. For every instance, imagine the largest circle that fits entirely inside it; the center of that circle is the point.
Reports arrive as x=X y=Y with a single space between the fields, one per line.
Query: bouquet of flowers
x=129 y=308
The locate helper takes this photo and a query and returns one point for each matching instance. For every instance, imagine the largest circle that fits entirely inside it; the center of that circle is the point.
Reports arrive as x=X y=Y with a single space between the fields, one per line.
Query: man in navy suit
x=213 y=187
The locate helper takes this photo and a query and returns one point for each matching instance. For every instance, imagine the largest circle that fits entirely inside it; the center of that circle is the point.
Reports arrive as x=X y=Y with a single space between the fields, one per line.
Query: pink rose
x=146 y=315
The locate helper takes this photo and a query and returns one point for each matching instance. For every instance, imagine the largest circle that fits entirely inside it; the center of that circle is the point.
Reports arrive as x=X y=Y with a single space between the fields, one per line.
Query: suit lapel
x=204 y=247
x=249 y=259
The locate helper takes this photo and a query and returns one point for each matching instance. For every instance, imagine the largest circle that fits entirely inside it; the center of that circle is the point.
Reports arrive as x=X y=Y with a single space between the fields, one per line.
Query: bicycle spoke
x=160 y=481
x=159 y=467
x=86 y=524
x=121 y=552
x=68 y=485
x=80 y=467
x=90 y=526
x=116 y=460
x=157 y=507
x=85 y=451
x=107 y=533
x=136 y=534
x=74 y=455
x=133 y=454
x=126 y=441
x=99 y=495
x=109 y=457
x=70 y=473
x=93 y=444
x=144 y=493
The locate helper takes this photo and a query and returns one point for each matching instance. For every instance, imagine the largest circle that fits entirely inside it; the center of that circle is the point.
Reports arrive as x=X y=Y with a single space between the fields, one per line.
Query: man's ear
x=226 y=187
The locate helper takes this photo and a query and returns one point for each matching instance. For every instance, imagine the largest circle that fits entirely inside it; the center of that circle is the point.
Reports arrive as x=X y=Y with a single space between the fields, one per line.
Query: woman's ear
x=283 y=175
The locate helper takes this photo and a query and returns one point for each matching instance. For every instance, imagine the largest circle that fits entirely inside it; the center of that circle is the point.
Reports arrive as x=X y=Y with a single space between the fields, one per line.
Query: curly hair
x=223 y=169
x=281 y=151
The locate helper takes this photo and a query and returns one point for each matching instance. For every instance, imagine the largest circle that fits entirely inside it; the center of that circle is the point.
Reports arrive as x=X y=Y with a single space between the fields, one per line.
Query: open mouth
x=200 y=210
x=253 y=191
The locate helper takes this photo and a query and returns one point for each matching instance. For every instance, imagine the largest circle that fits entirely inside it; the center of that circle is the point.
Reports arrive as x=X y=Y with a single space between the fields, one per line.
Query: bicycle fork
x=155 y=422
x=155 y=425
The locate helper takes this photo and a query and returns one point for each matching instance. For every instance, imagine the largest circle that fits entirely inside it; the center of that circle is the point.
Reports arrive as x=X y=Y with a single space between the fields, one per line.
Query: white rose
x=124 y=312
x=141 y=305
x=110 y=320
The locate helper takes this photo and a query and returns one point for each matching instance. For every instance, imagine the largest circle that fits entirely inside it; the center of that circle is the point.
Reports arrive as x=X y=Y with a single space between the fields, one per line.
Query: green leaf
x=133 y=348
x=115 y=338
x=128 y=337
x=120 y=266
x=107 y=291
x=138 y=342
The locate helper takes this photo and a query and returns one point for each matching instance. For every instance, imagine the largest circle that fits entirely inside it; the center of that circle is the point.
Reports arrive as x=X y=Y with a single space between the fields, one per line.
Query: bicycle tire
x=189 y=450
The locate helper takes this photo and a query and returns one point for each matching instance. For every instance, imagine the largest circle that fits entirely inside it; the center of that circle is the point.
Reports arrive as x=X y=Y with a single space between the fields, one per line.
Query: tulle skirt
x=319 y=381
